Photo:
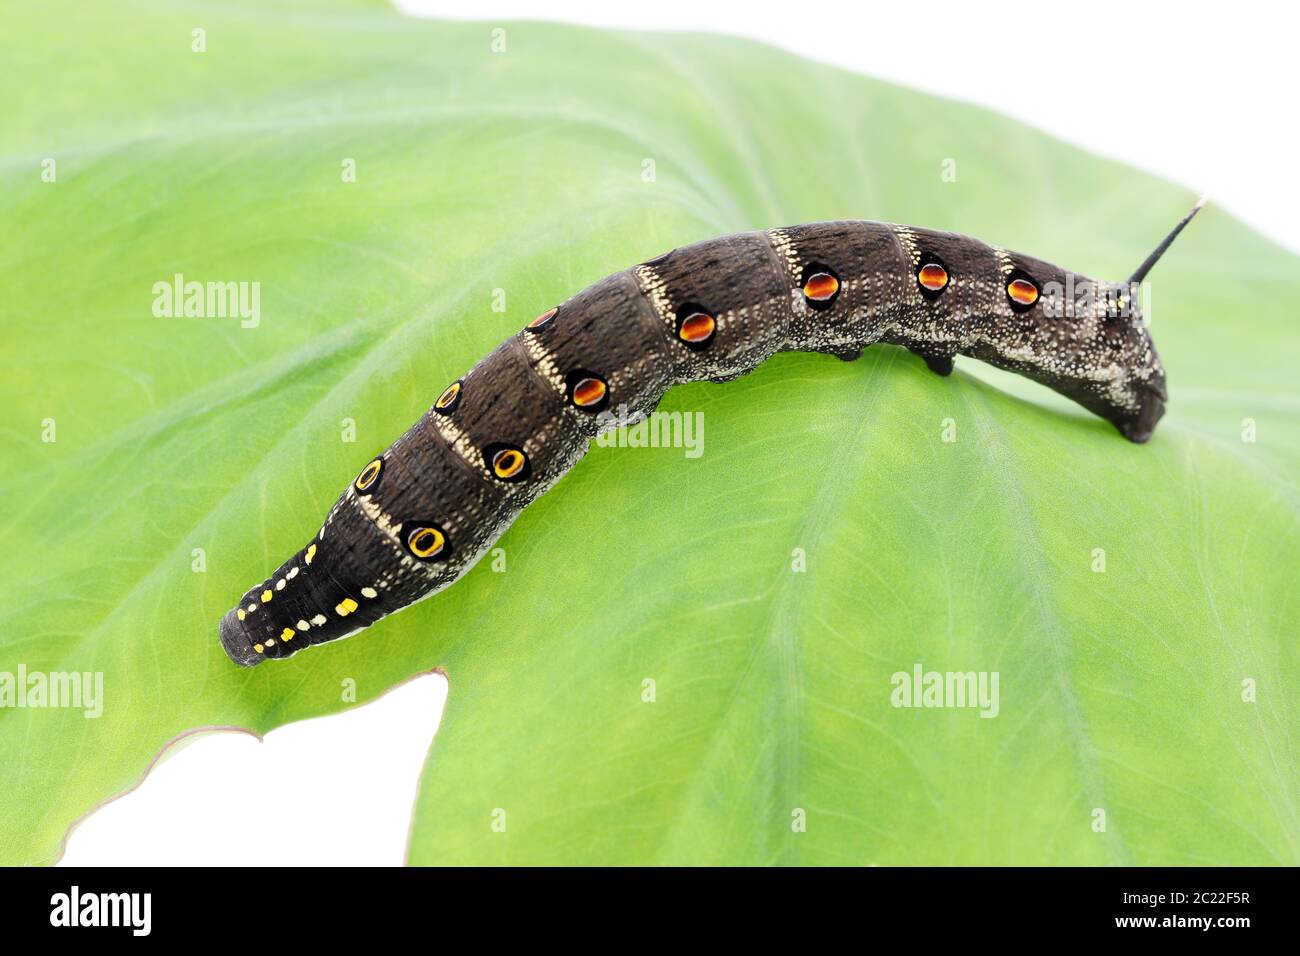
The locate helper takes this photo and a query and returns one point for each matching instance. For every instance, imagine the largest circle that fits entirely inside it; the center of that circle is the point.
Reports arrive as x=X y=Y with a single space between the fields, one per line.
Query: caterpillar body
x=421 y=513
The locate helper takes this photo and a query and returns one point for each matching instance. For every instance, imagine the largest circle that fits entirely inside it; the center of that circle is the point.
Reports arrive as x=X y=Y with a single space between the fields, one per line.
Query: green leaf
x=1120 y=691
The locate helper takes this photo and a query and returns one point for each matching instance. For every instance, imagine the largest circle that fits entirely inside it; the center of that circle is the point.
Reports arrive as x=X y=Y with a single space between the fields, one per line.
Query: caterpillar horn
x=1159 y=251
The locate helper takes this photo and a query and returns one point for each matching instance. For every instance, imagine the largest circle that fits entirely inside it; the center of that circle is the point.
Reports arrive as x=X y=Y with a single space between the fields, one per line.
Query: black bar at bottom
x=927 y=905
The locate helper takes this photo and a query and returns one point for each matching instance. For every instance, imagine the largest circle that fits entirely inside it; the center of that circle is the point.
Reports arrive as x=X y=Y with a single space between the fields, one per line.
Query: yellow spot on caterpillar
x=311 y=553
x=266 y=596
x=240 y=614
x=448 y=399
x=932 y=276
x=821 y=287
x=259 y=648
x=696 y=328
x=1022 y=292
x=369 y=593
x=318 y=620
x=425 y=542
x=508 y=462
x=346 y=607
x=286 y=634
x=542 y=320
x=588 y=392
x=369 y=475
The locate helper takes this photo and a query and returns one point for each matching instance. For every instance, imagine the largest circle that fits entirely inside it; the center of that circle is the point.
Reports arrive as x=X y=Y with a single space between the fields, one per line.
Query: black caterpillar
x=421 y=514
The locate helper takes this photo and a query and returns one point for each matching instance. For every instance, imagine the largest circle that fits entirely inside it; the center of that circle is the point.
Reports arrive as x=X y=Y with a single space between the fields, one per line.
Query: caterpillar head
x=1103 y=356
x=1139 y=397
x=1143 y=394
x=1088 y=340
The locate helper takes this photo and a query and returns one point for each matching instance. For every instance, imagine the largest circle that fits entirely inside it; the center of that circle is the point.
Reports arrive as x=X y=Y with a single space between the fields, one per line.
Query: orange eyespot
x=589 y=392
x=1022 y=292
x=449 y=398
x=932 y=277
x=425 y=542
x=696 y=328
x=821 y=287
x=542 y=320
x=507 y=463
x=369 y=475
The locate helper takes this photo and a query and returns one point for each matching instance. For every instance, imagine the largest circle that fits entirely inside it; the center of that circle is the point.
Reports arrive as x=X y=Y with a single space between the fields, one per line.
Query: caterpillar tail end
x=236 y=641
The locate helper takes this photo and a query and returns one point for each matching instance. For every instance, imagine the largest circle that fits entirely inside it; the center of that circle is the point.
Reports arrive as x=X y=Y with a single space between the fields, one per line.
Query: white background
x=1201 y=94
x=1204 y=94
